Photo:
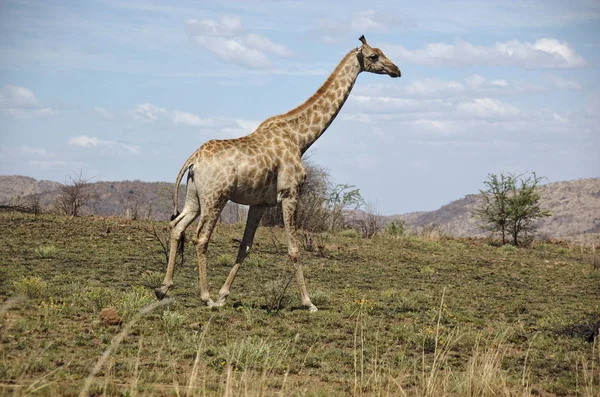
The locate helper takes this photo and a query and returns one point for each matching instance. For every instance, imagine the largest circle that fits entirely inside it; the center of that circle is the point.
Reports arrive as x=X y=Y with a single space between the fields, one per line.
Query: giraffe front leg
x=201 y=244
x=255 y=214
x=289 y=205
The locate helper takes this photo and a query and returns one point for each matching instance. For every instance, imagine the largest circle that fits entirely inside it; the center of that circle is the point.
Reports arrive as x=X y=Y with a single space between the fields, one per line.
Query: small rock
x=110 y=316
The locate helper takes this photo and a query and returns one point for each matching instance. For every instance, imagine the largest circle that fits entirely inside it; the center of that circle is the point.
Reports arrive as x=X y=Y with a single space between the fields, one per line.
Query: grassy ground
x=406 y=316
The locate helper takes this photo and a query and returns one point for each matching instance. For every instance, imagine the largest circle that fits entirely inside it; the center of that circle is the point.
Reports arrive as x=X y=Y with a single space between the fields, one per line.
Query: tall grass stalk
x=136 y=371
x=117 y=341
x=194 y=374
x=10 y=302
x=431 y=381
x=588 y=384
x=358 y=338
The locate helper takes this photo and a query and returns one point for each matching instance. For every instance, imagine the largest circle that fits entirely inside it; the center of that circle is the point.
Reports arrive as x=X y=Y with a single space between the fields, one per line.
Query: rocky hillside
x=575 y=208
x=13 y=187
x=575 y=205
x=132 y=199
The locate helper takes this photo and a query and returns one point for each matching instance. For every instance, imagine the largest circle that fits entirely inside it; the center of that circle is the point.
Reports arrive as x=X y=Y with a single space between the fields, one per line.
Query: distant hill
x=132 y=199
x=575 y=205
x=575 y=208
x=14 y=186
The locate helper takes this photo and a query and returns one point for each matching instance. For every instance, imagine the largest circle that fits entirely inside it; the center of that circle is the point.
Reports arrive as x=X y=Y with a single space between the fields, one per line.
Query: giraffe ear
x=362 y=39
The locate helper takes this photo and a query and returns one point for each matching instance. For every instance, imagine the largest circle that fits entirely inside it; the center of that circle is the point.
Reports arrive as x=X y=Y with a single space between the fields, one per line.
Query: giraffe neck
x=310 y=120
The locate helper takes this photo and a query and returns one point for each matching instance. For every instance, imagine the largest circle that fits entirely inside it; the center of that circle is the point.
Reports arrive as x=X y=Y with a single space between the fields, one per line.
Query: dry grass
x=408 y=317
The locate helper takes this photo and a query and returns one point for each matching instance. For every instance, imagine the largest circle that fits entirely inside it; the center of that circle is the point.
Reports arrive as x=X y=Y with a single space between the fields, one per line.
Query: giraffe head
x=373 y=60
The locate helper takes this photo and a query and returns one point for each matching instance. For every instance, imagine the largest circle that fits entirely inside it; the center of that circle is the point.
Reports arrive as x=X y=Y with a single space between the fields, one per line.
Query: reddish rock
x=110 y=316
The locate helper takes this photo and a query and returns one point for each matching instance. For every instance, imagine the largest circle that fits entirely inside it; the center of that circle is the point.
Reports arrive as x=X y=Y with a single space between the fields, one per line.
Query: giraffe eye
x=373 y=57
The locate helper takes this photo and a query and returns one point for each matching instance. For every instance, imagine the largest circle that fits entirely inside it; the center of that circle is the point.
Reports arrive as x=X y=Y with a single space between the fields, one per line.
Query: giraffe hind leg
x=179 y=223
x=211 y=209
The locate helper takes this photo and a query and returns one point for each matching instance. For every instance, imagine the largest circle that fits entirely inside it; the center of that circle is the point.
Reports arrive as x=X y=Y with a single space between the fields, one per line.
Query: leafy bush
x=225 y=260
x=395 y=228
x=253 y=353
x=151 y=279
x=46 y=251
x=352 y=233
x=33 y=287
x=133 y=300
x=172 y=321
x=98 y=297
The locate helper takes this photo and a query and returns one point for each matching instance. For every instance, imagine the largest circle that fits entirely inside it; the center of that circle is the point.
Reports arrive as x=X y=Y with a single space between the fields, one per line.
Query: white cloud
x=371 y=109
x=234 y=51
x=563 y=84
x=264 y=44
x=14 y=96
x=94 y=142
x=88 y=141
x=488 y=108
x=147 y=112
x=189 y=119
x=47 y=164
x=103 y=113
x=227 y=127
x=133 y=149
x=29 y=113
x=432 y=87
x=226 y=40
x=543 y=53
x=226 y=27
x=20 y=103
x=234 y=128
x=37 y=152
x=474 y=86
x=332 y=29
x=366 y=21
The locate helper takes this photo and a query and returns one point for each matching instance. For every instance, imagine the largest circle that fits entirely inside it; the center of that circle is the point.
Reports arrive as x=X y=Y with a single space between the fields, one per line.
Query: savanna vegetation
x=400 y=315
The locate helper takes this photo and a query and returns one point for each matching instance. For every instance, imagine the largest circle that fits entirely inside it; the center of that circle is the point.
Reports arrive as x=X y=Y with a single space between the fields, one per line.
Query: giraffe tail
x=187 y=166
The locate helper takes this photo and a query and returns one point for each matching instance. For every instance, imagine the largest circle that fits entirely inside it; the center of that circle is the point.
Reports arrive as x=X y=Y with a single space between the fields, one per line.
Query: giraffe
x=260 y=170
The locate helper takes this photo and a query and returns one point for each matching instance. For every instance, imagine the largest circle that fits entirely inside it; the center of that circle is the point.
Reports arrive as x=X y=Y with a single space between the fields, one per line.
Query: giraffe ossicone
x=260 y=170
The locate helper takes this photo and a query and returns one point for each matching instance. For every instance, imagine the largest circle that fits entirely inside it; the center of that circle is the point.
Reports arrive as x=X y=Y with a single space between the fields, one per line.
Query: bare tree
x=30 y=204
x=341 y=199
x=313 y=214
x=368 y=222
x=74 y=196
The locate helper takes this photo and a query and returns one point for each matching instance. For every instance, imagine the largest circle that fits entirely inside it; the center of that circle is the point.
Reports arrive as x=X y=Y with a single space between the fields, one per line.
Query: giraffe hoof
x=219 y=303
x=160 y=294
x=312 y=308
x=210 y=303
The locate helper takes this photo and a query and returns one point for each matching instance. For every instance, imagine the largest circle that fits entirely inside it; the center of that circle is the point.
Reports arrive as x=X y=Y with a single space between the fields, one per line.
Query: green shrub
x=151 y=279
x=32 y=287
x=508 y=248
x=395 y=228
x=253 y=353
x=225 y=260
x=319 y=298
x=133 y=300
x=98 y=297
x=46 y=251
x=172 y=321
x=351 y=233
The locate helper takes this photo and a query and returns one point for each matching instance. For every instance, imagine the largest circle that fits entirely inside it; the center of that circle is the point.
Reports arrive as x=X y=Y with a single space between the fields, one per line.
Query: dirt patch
x=110 y=316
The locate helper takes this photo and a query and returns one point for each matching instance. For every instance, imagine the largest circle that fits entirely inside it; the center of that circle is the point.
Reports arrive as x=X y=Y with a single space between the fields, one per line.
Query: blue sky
x=128 y=90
